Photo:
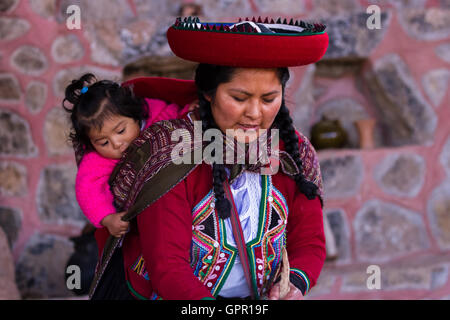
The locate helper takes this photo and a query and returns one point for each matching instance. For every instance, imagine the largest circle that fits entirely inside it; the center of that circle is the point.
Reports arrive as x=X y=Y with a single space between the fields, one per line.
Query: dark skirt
x=113 y=285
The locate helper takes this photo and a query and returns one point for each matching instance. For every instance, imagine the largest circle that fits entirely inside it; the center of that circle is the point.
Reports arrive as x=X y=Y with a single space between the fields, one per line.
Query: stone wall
x=388 y=206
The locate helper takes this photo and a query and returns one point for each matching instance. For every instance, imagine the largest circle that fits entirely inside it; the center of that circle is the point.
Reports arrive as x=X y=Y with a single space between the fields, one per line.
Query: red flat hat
x=248 y=43
x=176 y=91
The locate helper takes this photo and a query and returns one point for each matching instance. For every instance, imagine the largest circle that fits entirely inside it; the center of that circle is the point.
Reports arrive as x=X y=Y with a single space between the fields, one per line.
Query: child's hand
x=115 y=225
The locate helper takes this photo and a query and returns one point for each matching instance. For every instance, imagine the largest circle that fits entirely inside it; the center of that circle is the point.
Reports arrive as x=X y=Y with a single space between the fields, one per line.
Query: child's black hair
x=102 y=100
x=207 y=78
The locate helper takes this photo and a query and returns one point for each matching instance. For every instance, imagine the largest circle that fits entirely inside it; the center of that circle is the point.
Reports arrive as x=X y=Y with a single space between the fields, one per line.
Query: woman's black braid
x=222 y=204
x=287 y=133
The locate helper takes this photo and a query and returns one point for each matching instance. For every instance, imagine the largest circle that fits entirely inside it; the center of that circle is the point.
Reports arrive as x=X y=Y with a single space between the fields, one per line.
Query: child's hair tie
x=84 y=90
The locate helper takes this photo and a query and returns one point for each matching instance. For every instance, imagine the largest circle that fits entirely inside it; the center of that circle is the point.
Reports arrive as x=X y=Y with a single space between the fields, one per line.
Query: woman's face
x=247 y=103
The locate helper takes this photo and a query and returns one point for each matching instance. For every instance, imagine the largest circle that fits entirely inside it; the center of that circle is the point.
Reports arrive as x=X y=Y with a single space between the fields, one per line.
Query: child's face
x=115 y=136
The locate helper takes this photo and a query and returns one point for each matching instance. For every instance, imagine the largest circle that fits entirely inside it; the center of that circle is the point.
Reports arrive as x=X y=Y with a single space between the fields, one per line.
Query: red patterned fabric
x=310 y=161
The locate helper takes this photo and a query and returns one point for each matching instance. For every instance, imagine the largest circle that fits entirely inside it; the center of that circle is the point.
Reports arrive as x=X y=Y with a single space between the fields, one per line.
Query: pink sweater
x=91 y=186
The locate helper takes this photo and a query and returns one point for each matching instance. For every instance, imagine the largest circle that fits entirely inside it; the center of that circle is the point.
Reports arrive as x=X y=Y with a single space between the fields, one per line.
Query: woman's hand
x=115 y=225
x=293 y=294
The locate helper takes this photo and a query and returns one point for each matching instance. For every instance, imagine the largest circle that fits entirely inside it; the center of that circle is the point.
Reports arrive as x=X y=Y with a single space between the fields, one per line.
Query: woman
x=219 y=230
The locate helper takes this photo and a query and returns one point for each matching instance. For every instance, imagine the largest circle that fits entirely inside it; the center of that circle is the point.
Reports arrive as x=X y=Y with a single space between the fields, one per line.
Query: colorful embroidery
x=300 y=274
x=210 y=259
x=265 y=249
x=154 y=296
x=140 y=268
x=133 y=292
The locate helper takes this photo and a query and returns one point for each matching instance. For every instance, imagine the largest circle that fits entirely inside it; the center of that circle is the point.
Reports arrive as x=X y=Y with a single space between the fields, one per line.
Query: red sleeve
x=305 y=234
x=165 y=230
x=305 y=241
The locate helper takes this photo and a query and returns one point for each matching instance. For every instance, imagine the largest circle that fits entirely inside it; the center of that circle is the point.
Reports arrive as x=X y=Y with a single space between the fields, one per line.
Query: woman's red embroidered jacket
x=177 y=249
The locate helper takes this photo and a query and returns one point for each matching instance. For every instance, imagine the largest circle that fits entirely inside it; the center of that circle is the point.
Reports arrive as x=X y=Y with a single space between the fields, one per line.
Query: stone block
x=338 y=223
x=428 y=278
x=106 y=47
x=443 y=51
x=156 y=9
x=304 y=100
x=41 y=267
x=385 y=231
x=284 y=7
x=157 y=47
x=44 y=8
x=29 y=60
x=11 y=223
x=15 y=136
x=404 y=115
x=350 y=37
x=56 y=196
x=67 y=49
x=226 y=8
x=424 y=277
x=445 y=157
x=35 y=96
x=438 y=208
x=402 y=175
x=10 y=91
x=332 y=8
x=435 y=83
x=401 y=4
x=8 y=288
x=355 y=281
x=429 y=24
x=7 y=6
x=13 y=179
x=342 y=176
x=12 y=28
x=137 y=37
x=96 y=11
x=56 y=132
x=102 y=21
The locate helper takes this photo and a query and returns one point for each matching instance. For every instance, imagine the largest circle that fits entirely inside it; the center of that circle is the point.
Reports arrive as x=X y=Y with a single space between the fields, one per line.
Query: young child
x=106 y=118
